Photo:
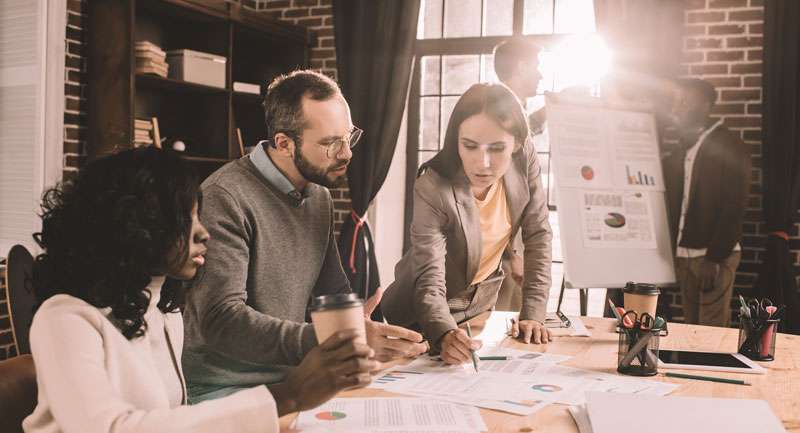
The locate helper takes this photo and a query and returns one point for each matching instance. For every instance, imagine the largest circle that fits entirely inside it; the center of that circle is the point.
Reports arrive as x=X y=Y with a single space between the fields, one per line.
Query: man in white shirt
x=708 y=180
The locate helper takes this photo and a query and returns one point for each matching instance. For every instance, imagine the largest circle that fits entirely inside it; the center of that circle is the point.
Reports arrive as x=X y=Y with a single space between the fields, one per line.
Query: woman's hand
x=531 y=330
x=456 y=346
x=337 y=364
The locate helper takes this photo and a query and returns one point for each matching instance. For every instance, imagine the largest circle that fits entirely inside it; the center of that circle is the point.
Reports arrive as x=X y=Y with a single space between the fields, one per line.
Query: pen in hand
x=471 y=351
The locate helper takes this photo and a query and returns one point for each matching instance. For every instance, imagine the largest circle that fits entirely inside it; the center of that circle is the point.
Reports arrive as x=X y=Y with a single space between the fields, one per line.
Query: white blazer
x=92 y=379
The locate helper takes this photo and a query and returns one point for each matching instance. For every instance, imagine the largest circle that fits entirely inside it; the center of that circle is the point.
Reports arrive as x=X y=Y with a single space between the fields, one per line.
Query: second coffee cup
x=641 y=297
x=333 y=313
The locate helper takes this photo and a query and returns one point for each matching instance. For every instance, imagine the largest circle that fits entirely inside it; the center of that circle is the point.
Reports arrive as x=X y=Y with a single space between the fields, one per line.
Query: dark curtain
x=374 y=56
x=781 y=155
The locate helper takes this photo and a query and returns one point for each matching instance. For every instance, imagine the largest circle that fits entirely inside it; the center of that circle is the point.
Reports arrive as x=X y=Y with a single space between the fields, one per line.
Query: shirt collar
x=267 y=168
x=705 y=133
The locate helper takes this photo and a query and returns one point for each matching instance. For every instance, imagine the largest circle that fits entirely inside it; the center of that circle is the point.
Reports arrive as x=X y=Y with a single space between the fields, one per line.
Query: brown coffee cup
x=641 y=297
x=333 y=313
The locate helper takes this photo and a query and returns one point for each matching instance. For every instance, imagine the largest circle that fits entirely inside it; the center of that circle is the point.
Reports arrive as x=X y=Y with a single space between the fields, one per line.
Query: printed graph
x=638 y=177
x=395 y=376
x=546 y=388
x=330 y=415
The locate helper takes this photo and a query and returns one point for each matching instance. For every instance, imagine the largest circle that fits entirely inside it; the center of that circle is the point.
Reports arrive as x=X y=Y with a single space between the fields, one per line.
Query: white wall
x=388 y=210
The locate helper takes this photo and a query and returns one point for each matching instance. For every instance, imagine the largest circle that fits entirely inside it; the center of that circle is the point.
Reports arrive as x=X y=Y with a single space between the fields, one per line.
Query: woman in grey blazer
x=452 y=271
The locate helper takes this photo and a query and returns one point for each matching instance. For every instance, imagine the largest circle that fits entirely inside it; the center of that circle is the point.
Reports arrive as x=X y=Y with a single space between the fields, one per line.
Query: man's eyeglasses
x=333 y=147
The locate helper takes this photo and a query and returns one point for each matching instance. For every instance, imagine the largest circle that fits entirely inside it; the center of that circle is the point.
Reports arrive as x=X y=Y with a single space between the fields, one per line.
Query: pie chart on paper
x=546 y=388
x=587 y=172
x=615 y=220
x=330 y=415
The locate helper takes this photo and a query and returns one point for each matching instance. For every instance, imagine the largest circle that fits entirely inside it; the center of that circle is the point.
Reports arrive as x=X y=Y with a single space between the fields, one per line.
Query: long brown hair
x=495 y=100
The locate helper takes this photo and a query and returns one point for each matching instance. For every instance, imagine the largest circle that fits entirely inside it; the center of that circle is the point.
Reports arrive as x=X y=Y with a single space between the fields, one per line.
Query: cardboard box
x=197 y=67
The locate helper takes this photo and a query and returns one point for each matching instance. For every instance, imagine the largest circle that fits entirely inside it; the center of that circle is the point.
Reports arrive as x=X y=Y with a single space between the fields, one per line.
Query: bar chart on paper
x=637 y=177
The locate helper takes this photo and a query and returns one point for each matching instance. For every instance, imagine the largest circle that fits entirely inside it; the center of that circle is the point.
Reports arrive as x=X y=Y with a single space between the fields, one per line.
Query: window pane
x=462 y=18
x=448 y=103
x=460 y=72
x=574 y=16
x=430 y=75
x=499 y=17
x=429 y=25
x=423 y=157
x=547 y=66
x=487 y=69
x=538 y=17
x=429 y=125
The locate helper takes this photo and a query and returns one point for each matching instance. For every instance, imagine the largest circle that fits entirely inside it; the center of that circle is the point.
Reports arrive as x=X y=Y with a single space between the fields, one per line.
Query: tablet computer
x=711 y=361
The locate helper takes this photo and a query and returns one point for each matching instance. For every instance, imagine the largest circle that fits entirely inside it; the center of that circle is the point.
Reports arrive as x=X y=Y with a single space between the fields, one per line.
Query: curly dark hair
x=119 y=222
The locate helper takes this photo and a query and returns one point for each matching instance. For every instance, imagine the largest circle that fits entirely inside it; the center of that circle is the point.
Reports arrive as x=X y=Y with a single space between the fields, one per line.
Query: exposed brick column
x=316 y=15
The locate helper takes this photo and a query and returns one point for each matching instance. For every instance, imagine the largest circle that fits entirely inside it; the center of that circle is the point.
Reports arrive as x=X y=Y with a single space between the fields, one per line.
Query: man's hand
x=372 y=302
x=517 y=268
x=456 y=346
x=392 y=342
x=337 y=364
x=707 y=275
x=531 y=331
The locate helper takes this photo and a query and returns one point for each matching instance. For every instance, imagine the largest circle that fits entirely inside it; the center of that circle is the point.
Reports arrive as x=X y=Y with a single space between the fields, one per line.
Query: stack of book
x=151 y=59
x=142 y=133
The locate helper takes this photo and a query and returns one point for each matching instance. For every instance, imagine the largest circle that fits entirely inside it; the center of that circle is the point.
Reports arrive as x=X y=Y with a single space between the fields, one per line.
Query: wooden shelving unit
x=257 y=49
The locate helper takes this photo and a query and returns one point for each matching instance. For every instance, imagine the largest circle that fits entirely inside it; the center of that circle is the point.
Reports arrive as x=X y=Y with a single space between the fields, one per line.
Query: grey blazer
x=432 y=287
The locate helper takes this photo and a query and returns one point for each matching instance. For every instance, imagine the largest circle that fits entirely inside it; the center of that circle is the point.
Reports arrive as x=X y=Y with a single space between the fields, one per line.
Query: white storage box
x=197 y=67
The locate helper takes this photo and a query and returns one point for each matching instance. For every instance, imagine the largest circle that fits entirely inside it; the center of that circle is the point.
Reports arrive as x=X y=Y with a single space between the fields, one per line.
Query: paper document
x=391 y=415
x=489 y=388
x=679 y=414
x=568 y=385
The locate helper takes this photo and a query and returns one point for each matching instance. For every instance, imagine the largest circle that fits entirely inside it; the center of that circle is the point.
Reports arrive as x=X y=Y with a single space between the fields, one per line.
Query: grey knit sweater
x=245 y=317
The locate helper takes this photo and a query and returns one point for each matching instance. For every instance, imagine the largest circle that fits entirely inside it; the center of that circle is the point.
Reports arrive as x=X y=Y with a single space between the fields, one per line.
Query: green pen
x=472 y=352
x=494 y=358
x=706 y=378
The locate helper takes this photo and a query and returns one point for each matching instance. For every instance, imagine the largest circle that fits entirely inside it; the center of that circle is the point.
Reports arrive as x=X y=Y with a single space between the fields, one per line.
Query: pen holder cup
x=757 y=340
x=638 y=352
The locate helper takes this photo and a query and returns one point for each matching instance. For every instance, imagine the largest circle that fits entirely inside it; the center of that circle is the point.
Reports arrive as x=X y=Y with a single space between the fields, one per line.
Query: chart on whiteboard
x=616 y=219
x=604 y=149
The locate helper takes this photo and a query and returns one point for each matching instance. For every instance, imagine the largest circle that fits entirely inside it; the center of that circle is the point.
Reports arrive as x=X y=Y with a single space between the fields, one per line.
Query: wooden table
x=780 y=386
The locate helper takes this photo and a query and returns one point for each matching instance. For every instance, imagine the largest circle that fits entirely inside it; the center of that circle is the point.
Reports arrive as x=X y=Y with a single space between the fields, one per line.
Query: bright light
x=582 y=60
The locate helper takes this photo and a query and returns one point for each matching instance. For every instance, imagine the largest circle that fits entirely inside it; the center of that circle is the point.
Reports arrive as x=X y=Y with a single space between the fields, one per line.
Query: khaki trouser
x=712 y=308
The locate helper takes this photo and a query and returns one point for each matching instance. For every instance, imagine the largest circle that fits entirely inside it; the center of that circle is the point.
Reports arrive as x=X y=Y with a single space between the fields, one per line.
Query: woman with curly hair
x=108 y=335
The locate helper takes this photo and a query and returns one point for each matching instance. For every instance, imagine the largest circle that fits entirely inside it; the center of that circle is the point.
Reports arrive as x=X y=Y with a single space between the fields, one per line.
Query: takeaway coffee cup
x=641 y=297
x=333 y=313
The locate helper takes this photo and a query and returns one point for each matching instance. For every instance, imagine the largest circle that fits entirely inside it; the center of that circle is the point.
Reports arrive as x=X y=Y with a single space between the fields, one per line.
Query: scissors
x=645 y=322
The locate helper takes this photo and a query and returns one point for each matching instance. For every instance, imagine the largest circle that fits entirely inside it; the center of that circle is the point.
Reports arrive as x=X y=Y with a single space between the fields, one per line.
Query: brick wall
x=7 y=348
x=316 y=15
x=75 y=89
x=723 y=44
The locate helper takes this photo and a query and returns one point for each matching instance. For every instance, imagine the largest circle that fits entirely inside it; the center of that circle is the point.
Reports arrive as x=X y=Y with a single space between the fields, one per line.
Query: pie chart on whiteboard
x=615 y=220
x=587 y=172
